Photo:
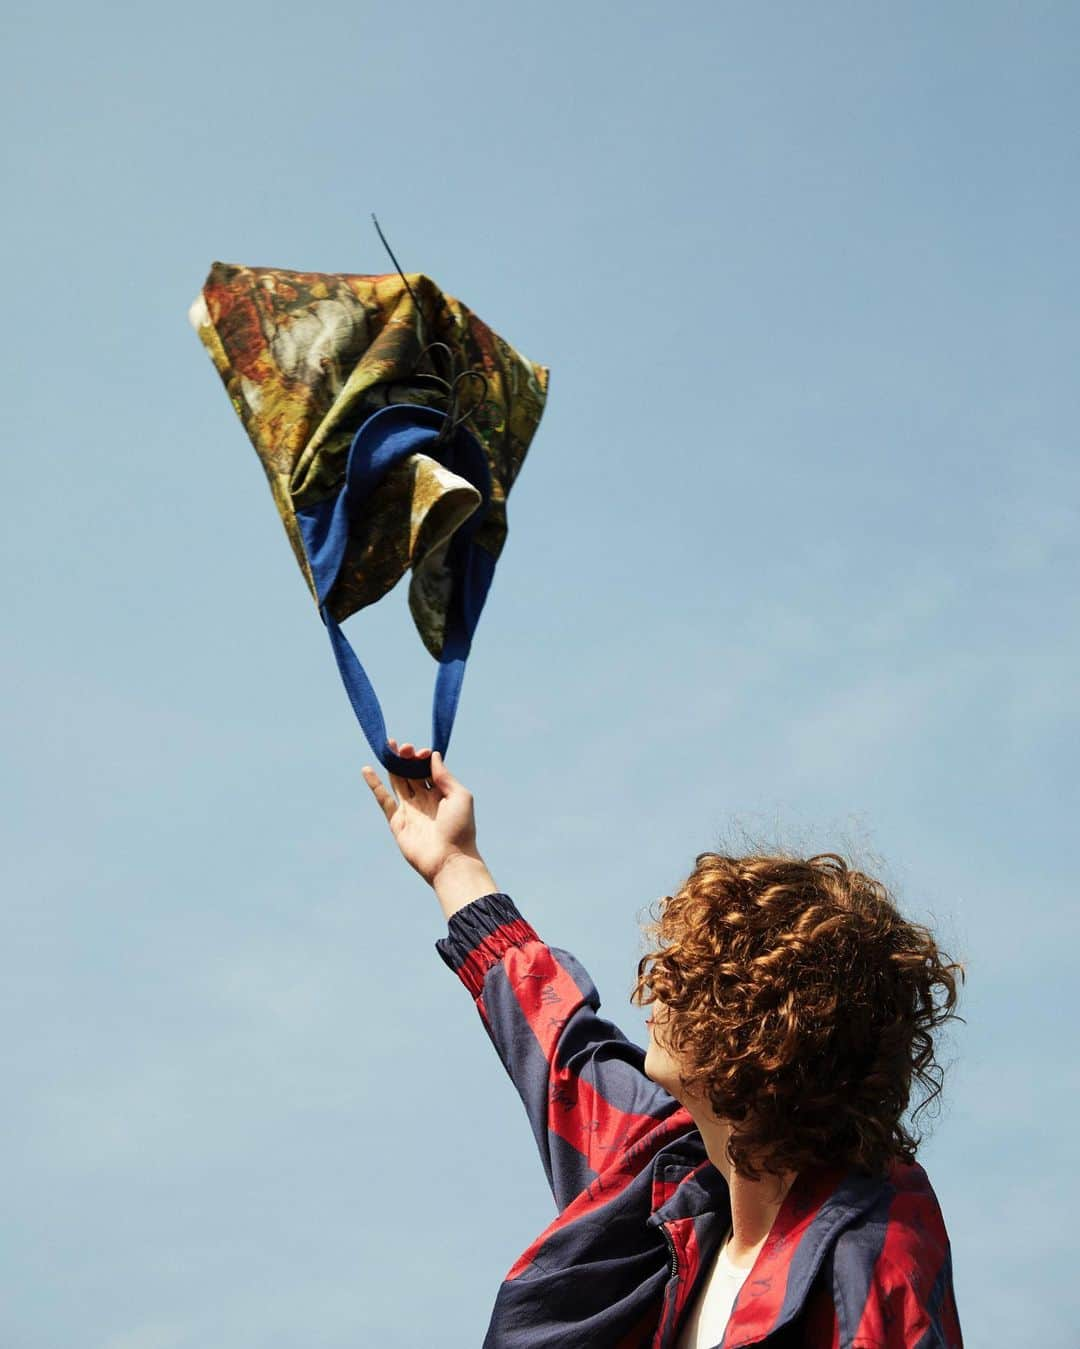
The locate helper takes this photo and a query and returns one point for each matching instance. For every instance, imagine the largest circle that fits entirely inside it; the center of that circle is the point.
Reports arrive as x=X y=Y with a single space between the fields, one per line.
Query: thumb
x=440 y=774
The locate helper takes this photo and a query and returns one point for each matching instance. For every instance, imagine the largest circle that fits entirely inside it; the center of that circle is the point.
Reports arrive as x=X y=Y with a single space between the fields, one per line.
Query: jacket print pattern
x=851 y=1262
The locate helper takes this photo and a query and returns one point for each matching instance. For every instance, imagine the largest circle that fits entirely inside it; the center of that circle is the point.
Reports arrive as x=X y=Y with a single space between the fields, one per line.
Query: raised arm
x=582 y=1082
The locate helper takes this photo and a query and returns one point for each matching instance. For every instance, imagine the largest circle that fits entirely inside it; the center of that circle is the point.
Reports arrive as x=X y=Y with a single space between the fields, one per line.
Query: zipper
x=674 y=1253
x=670 y=1295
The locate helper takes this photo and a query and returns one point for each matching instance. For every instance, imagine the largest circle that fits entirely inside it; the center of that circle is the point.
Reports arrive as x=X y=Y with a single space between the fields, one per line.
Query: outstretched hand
x=432 y=820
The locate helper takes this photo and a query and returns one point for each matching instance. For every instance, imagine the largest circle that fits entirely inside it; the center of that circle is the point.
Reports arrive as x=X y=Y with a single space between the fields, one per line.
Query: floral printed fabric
x=307 y=357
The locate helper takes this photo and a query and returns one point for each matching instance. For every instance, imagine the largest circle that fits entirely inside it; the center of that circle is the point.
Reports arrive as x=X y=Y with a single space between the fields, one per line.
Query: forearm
x=460 y=881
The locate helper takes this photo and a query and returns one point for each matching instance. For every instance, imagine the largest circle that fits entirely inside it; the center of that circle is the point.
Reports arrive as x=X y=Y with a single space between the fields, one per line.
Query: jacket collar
x=819 y=1206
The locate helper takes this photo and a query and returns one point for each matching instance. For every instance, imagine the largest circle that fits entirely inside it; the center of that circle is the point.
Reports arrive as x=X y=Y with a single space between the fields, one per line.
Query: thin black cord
x=397 y=265
x=419 y=315
x=452 y=387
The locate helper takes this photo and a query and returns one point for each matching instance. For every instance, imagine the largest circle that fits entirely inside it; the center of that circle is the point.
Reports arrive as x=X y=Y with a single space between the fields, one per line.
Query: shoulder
x=892 y=1267
x=902 y=1218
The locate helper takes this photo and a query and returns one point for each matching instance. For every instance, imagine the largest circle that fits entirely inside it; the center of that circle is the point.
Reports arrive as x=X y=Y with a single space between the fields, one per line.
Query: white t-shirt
x=706 y=1325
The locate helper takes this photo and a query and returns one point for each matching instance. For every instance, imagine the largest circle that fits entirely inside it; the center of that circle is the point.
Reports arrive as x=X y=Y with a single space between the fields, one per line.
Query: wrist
x=460 y=879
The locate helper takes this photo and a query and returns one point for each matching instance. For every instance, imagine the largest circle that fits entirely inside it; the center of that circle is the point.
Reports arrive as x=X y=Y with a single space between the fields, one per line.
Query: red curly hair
x=800 y=1004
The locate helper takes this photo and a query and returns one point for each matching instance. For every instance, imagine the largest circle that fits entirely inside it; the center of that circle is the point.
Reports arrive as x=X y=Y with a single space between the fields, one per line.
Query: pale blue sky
x=794 y=553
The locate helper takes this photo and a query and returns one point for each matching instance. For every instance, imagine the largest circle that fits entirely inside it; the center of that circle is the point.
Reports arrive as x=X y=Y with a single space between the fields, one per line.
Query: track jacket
x=851 y=1262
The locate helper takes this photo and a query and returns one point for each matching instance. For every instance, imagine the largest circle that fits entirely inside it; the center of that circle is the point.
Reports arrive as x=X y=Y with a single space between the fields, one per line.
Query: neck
x=754 y=1203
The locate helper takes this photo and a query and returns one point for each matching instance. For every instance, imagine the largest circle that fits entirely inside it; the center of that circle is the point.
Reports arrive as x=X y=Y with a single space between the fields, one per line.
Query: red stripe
x=490 y=950
x=548 y=997
x=911 y=1258
x=545 y=990
x=616 y=1143
x=820 y=1325
x=684 y=1234
x=595 y=1196
x=604 y=1189
x=761 y=1297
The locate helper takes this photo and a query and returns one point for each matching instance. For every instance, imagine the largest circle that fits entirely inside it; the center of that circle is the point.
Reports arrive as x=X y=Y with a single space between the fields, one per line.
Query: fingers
x=382 y=796
x=406 y=788
x=442 y=782
x=441 y=776
x=403 y=786
x=409 y=785
x=406 y=751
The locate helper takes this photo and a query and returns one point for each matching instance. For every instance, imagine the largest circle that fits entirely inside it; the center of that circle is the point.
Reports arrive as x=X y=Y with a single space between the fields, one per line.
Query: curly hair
x=800 y=1004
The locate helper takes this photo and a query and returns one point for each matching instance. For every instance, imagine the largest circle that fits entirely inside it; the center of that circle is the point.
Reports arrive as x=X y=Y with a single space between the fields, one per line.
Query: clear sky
x=793 y=555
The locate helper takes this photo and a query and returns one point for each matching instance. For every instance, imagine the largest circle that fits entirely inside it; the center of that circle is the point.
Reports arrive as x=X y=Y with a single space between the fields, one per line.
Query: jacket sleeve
x=582 y=1081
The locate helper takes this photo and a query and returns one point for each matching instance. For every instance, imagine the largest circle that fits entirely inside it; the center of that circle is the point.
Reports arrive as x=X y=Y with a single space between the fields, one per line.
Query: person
x=749 y=1178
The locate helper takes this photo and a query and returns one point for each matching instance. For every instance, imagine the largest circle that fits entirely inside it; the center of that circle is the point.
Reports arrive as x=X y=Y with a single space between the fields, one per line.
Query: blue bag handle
x=387 y=436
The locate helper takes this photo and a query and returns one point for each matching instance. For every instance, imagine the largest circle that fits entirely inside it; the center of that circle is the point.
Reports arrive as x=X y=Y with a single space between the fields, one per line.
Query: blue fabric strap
x=391 y=434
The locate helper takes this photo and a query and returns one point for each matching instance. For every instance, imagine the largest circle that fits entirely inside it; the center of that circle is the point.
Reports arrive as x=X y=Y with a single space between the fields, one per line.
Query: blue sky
x=792 y=557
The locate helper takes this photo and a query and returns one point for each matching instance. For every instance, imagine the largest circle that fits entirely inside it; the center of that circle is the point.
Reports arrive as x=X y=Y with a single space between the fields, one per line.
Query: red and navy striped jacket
x=851 y=1262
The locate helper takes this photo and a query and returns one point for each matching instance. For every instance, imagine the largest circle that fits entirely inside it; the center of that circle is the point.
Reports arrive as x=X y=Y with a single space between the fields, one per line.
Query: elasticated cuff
x=479 y=935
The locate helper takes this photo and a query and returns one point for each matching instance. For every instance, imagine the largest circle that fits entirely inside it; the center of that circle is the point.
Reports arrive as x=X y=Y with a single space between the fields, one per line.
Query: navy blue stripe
x=594 y=1050
x=590 y=1049
x=855 y=1260
x=585 y=1302
x=934 y=1338
x=566 y=1168
x=853 y=1196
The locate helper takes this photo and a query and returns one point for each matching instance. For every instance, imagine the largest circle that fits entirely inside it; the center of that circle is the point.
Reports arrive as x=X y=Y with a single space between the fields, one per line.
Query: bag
x=391 y=424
